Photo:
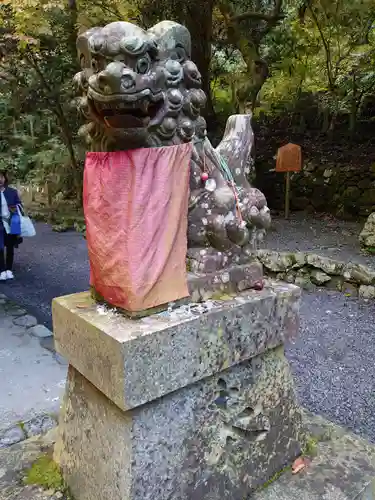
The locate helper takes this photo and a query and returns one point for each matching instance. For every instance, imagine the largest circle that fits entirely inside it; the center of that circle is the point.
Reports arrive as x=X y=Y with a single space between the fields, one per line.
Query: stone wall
x=340 y=189
x=309 y=270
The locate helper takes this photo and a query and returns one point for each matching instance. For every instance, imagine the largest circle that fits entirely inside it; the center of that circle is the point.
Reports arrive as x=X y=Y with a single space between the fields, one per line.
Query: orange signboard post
x=289 y=159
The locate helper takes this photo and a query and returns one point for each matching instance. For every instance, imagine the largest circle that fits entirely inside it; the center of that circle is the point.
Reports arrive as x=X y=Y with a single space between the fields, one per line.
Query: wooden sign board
x=289 y=158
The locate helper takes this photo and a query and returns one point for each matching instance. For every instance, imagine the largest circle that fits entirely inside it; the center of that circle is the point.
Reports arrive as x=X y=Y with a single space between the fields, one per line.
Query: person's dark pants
x=7 y=253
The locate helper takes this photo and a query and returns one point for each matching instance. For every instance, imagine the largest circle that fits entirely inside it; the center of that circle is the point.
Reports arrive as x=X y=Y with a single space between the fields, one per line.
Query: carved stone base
x=204 y=287
x=195 y=406
x=226 y=281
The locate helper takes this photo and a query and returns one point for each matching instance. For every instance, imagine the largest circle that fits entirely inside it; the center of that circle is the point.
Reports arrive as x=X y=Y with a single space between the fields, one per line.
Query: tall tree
x=247 y=23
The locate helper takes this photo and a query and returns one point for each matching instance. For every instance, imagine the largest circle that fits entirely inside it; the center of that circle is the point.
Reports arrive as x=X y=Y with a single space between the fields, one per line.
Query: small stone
x=276 y=261
x=39 y=425
x=15 y=311
x=366 y=292
x=335 y=283
x=40 y=331
x=367 y=236
x=26 y=321
x=290 y=277
x=303 y=272
x=300 y=260
x=304 y=283
x=349 y=289
x=319 y=277
x=11 y=436
x=358 y=274
x=326 y=264
x=48 y=343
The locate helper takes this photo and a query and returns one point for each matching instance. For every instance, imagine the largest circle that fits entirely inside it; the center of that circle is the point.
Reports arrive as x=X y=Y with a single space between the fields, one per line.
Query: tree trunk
x=199 y=21
x=257 y=69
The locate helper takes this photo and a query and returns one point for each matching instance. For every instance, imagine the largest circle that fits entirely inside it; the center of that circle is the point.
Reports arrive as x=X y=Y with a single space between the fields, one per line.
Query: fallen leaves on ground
x=299 y=464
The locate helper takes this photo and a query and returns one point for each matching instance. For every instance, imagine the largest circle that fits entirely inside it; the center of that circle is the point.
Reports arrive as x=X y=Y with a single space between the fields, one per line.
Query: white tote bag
x=27 y=227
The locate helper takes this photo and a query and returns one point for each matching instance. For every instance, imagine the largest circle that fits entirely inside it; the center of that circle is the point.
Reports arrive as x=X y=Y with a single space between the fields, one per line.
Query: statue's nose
x=116 y=78
x=174 y=67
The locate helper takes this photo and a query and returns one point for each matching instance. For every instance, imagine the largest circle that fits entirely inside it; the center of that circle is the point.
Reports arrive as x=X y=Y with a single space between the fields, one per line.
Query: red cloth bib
x=136 y=208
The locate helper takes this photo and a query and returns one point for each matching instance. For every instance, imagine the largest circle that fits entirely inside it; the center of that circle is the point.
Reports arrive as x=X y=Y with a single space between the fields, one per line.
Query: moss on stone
x=21 y=425
x=311 y=447
x=45 y=473
x=222 y=296
x=274 y=478
x=369 y=250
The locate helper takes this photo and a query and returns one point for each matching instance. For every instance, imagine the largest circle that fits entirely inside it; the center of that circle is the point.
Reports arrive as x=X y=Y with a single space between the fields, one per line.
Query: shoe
x=3 y=276
x=10 y=275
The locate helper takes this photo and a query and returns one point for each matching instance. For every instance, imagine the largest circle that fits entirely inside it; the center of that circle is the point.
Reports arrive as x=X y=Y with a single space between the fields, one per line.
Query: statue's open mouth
x=126 y=111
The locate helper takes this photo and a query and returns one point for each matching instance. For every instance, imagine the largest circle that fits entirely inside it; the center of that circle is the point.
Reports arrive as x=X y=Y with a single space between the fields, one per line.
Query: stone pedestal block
x=197 y=404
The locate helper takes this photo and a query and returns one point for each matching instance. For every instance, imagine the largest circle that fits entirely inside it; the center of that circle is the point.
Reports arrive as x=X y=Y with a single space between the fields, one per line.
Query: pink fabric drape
x=136 y=206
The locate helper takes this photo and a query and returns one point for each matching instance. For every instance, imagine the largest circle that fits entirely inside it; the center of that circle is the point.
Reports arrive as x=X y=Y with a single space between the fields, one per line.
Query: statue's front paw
x=238 y=233
x=258 y=218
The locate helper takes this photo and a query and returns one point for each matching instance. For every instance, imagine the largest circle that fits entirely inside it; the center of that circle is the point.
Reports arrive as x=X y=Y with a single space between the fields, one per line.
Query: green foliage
x=45 y=473
x=369 y=250
x=329 y=54
x=274 y=478
x=310 y=60
x=311 y=447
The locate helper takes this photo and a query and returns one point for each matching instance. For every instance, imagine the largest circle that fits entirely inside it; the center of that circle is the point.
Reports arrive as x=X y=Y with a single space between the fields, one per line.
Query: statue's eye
x=143 y=65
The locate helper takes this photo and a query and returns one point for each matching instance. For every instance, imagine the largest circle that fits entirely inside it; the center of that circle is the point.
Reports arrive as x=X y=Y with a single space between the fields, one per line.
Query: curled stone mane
x=140 y=88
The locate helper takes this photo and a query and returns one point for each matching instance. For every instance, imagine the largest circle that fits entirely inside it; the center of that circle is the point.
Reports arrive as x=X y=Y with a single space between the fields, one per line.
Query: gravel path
x=333 y=357
x=48 y=266
x=323 y=235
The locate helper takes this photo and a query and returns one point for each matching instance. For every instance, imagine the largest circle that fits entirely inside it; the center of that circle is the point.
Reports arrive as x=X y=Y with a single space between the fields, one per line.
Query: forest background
x=304 y=68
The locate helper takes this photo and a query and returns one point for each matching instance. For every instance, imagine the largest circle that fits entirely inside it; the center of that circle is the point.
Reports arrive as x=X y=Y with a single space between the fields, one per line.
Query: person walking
x=10 y=200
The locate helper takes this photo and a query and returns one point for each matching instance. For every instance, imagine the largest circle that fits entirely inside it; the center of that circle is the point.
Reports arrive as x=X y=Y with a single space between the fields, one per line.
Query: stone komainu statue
x=140 y=89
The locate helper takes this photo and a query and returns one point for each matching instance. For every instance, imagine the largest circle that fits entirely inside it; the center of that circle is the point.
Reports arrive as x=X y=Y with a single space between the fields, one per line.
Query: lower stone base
x=342 y=468
x=220 y=438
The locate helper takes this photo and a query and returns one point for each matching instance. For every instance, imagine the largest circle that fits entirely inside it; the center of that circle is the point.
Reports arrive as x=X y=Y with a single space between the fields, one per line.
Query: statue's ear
x=83 y=47
x=173 y=40
x=153 y=48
